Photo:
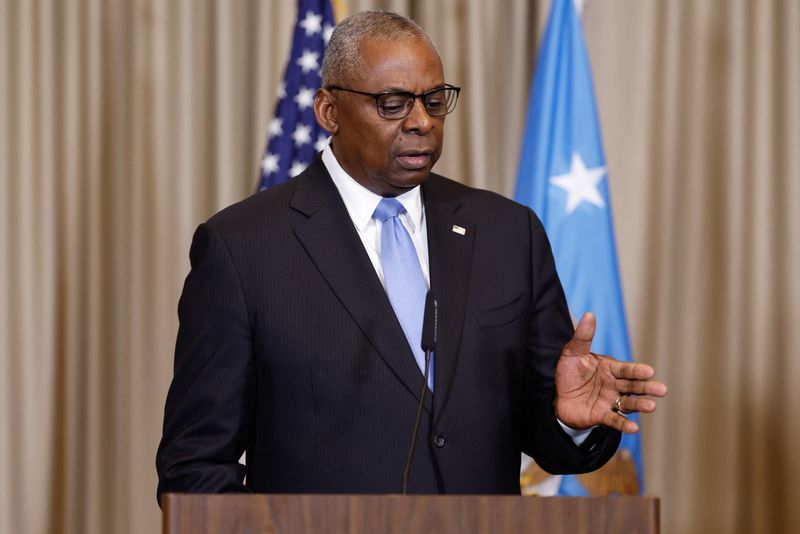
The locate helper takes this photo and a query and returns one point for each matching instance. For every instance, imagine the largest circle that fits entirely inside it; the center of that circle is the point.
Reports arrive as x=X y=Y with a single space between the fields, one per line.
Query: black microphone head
x=430 y=322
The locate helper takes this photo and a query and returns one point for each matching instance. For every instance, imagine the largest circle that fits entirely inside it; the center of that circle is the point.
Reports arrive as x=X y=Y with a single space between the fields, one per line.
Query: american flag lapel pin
x=460 y=230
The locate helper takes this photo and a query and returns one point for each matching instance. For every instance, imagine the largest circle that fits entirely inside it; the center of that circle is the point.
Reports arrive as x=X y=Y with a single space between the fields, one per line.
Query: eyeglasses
x=394 y=105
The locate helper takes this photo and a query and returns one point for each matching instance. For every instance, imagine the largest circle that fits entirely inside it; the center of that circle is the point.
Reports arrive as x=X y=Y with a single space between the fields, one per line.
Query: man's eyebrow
x=395 y=89
x=440 y=86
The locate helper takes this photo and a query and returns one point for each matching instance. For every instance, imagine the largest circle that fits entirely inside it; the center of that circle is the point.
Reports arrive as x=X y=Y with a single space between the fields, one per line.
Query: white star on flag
x=269 y=164
x=276 y=127
x=327 y=31
x=304 y=98
x=308 y=61
x=580 y=184
x=282 y=90
x=312 y=23
x=322 y=142
x=301 y=135
x=297 y=168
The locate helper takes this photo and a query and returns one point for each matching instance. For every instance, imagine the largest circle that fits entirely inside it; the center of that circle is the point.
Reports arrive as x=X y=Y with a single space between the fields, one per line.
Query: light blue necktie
x=403 y=277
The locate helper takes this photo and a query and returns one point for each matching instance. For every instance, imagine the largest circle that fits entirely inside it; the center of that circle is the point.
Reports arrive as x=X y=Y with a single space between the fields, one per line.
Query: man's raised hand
x=592 y=389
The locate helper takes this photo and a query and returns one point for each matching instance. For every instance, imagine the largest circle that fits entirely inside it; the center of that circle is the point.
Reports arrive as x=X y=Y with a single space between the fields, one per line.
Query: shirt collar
x=361 y=202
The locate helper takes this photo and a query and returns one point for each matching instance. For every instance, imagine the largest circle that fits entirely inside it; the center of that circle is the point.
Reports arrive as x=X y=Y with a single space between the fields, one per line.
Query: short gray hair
x=343 y=55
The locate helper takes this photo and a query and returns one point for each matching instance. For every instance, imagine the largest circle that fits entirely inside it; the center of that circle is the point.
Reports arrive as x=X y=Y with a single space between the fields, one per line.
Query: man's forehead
x=411 y=55
x=378 y=48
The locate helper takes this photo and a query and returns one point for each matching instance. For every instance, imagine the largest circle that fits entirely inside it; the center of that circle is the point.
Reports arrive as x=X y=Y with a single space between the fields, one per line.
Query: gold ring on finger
x=617 y=406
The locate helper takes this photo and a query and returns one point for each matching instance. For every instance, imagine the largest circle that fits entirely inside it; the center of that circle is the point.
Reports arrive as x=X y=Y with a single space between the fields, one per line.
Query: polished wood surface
x=279 y=514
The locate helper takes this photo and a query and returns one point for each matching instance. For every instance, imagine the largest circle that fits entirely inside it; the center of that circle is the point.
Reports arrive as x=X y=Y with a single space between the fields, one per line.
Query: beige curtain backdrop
x=125 y=123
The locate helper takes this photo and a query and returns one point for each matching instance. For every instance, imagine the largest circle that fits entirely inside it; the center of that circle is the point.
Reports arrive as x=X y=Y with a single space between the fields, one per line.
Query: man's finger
x=641 y=387
x=619 y=422
x=630 y=404
x=581 y=342
x=631 y=370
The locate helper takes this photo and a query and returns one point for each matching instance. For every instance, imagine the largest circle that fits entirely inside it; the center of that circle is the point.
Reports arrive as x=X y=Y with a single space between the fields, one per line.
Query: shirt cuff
x=578 y=436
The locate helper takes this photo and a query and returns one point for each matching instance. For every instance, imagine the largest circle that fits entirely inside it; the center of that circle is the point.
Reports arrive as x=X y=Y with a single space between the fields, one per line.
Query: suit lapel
x=450 y=244
x=332 y=242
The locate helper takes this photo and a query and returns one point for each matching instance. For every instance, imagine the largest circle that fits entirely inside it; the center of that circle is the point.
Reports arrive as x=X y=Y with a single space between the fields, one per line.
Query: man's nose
x=418 y=119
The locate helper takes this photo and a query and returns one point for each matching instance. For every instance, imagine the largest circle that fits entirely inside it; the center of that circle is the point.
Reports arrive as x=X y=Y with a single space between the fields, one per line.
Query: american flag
x=294 y=137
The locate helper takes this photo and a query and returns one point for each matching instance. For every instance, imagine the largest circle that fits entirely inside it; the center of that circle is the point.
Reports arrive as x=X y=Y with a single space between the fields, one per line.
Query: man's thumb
x=581 y=342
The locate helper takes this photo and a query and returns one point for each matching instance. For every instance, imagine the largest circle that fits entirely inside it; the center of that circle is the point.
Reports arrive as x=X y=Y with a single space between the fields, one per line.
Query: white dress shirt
x=361 y=203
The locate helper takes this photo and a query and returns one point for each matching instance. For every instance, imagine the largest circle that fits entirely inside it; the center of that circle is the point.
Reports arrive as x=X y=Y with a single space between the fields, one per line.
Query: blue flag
x=294 y=137
x=562 y=177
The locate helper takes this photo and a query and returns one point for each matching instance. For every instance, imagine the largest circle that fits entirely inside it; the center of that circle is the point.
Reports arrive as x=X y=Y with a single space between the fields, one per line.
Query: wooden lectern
x=371 y=514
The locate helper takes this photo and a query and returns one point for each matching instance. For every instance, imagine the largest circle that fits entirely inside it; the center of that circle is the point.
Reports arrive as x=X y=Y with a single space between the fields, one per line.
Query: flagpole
x=339 y=10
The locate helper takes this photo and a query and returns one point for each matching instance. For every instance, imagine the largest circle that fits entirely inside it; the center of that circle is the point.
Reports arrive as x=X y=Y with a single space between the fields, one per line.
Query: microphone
x=430 y=333
x=430 y=324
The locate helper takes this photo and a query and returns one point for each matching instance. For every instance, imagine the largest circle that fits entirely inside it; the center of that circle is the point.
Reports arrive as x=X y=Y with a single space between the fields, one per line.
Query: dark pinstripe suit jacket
x=288 y=348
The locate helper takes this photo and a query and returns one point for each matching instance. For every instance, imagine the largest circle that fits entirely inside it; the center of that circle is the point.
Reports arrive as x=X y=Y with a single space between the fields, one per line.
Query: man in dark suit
x=292 y=344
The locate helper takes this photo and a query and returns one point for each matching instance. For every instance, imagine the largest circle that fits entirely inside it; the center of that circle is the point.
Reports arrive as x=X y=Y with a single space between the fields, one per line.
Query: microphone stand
x=430 y=332
x=416 y=423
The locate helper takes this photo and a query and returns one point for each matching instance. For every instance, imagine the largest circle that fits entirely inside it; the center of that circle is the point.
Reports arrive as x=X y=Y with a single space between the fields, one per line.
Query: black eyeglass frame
x=412 y=97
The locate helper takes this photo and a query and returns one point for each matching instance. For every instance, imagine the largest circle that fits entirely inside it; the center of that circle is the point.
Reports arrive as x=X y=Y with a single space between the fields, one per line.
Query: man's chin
x=410 y=181
x=398 y=182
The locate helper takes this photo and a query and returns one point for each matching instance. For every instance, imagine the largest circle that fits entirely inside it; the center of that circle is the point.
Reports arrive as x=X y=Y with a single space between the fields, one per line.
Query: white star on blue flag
x=293 y=133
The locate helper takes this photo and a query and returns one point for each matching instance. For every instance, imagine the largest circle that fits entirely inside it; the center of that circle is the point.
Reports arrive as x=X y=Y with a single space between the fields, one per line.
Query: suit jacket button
x=438 y=440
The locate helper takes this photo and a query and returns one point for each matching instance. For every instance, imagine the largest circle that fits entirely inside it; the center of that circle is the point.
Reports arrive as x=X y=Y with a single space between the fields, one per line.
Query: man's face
x=389 y=157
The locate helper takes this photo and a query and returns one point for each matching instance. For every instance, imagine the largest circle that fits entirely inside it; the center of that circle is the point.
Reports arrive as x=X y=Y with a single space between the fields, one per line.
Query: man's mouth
x=414 y=160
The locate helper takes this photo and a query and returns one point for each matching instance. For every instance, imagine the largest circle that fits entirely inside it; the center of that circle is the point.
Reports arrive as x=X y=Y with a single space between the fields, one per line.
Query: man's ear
x=326 y=111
